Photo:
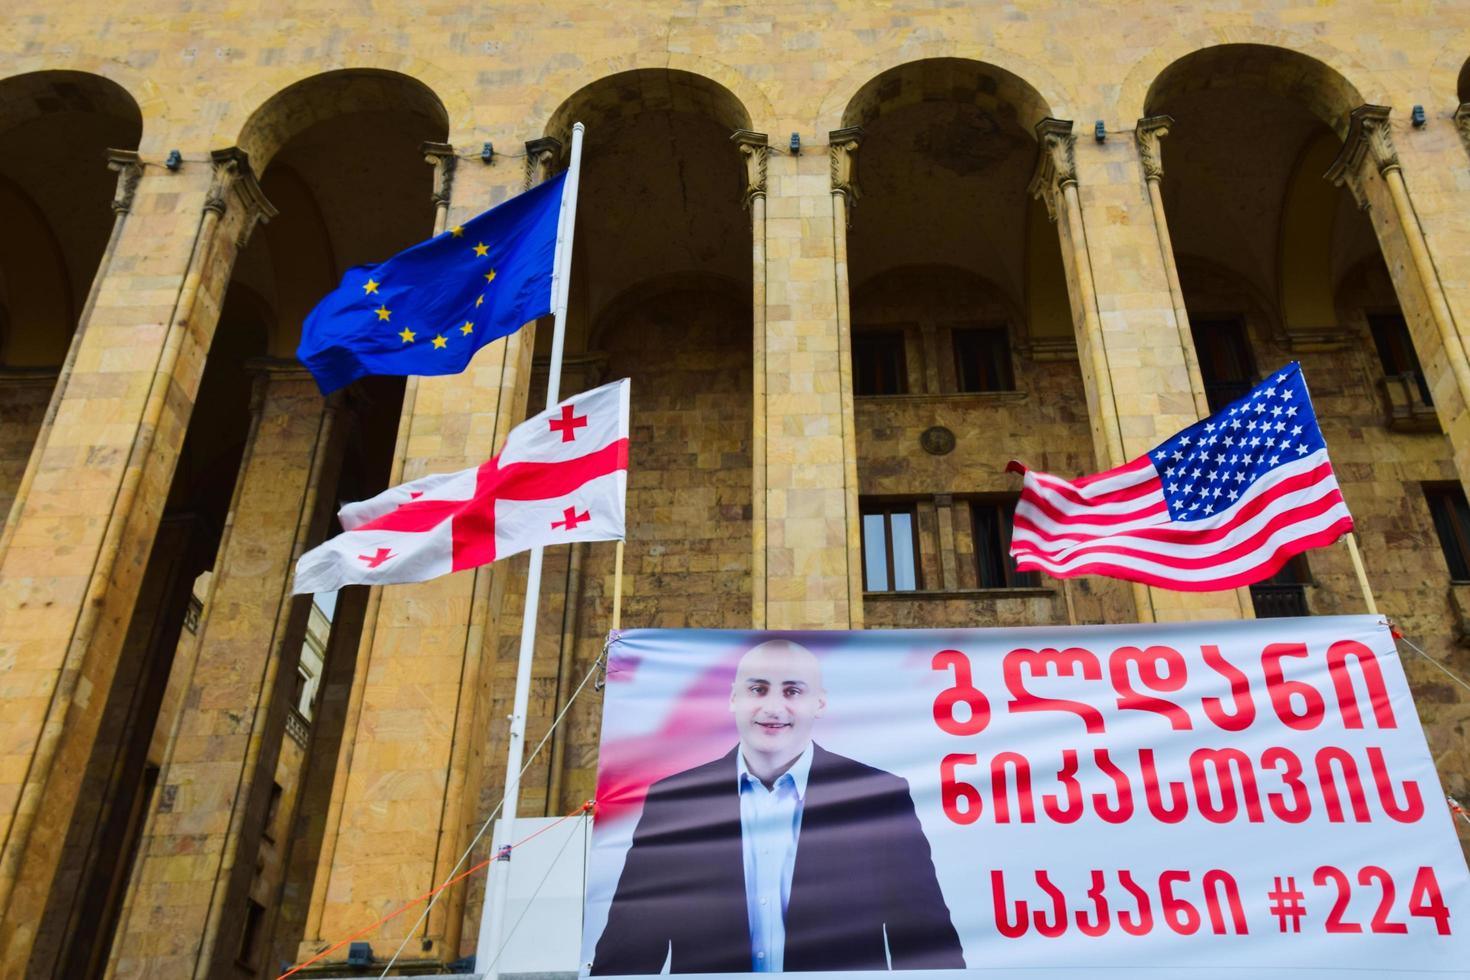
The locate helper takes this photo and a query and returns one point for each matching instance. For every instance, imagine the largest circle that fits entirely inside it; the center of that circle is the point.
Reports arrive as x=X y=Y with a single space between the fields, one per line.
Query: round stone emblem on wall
x=937 y=441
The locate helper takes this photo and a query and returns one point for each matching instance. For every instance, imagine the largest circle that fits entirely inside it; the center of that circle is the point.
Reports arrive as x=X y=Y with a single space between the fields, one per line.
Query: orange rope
x=584 y=808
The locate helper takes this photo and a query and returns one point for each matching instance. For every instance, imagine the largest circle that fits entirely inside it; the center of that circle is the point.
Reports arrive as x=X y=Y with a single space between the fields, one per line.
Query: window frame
x=1221 y=391
x=872 y=337
x=1004 y=508
x=1003 y=362
x=1443 y=495
x=886 y=508
x=1390 y=334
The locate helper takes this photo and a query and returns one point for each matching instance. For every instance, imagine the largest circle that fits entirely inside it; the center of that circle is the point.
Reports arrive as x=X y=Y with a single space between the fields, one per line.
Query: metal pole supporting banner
x=492 y=932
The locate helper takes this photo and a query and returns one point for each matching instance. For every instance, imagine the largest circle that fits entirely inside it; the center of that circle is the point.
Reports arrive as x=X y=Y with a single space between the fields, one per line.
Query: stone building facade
x=853 y=256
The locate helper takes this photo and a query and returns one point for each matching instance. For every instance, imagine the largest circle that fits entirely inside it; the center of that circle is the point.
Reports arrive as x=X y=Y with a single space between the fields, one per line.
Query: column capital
x=1369 y=139
x=129 y=169
x=233 y=175
x=441 y=157
x=542 y=156
x=843 y=146
x=1149 y=135
x=1056 y=161
x=756 y=149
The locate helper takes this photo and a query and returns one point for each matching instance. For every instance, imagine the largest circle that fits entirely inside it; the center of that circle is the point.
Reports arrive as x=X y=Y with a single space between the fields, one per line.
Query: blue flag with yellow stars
x=429 y=308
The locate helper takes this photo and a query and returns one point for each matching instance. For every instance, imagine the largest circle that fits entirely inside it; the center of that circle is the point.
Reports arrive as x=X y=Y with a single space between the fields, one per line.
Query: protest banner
x=1215 y=798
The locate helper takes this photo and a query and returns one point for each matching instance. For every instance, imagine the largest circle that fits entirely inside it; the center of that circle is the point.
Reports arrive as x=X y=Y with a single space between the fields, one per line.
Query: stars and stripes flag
x=1222 y=504
x=562 y=477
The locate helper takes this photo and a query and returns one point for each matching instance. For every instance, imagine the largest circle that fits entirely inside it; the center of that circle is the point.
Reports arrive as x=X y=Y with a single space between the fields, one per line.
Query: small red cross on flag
x=568 y=424
x=562 y=476
x=570 y=519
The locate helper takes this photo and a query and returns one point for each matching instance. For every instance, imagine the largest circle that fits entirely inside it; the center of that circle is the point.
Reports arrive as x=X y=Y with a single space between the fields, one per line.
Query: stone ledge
x=1027 y=592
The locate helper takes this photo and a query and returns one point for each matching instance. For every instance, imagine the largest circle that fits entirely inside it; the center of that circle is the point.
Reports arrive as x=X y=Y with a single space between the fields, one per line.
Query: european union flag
x=429 y=308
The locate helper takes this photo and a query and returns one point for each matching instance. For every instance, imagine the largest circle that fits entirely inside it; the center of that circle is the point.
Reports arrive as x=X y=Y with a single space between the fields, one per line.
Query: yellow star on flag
x=467 y=328
x=384 y=313
x=457 y=231
x=482 y=249
x=479 y=299
x=439 y=341
x=407 y=335
x=490 y=276
x=371 y=286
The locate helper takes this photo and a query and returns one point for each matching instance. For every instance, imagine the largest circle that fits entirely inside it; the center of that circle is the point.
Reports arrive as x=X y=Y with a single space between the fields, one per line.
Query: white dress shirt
x=770 y=822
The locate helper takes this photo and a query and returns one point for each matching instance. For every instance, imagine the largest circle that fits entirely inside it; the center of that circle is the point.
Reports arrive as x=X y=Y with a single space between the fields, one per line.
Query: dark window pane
x=1225 y=362
x=983 y=359
x=995 y=568
x=1396 y=351
x=875 y=553
x=878 y=366
x=1451 y=516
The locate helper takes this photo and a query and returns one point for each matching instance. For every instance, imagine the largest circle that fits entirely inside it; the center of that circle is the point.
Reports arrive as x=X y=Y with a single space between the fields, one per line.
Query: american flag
x=1224 y=503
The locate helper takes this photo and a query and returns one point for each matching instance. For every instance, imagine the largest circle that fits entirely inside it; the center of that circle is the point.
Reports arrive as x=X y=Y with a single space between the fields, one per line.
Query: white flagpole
x=492 y=935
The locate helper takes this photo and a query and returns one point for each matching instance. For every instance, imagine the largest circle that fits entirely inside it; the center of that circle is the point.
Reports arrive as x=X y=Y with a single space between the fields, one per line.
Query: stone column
x=1136 y=356
x=69 y=580
x=186 y=901
x=812 y=575
x=756 y=151
x=1370 y=168
x=26 y=436
x=396 y=819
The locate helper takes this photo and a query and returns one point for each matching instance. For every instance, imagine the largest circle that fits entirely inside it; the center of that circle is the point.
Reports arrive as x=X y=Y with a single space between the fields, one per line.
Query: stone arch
x=738 y=102
x=292 y=110
x=34 y=94
x=1300 y=71
x=616 y=97
x=610 y=317
x=992 y=89
x=36 y=320
x=994 y=74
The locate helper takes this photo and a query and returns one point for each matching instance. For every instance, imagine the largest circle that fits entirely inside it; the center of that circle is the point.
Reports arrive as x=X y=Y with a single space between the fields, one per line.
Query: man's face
x=777 y=695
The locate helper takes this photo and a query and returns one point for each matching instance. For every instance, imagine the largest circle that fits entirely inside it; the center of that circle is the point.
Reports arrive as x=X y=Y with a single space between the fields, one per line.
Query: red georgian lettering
x=1178 y=807
x=1285 y=761
x=1067 y=776
x=1342 y=683
x=999 y=797
x=1297 y=704
x=1222 y=761
x=1011 y=928
x=1123 y=810
x=1243 y=709
x=1413 y=807
x=1160 y=668
x=962 y=691
x=1041 y=663
x=1344 y=759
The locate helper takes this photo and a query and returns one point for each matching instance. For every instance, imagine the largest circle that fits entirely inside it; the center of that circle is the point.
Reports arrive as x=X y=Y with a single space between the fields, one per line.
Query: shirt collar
x=799 y=772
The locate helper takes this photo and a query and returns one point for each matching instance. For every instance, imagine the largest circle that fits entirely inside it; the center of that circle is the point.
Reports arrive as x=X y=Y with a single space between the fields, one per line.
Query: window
x=1285 y=593
x=252 y=934
x=982 y=358
x=1451 y=516
x=1396 y=352
x=1225 y=361
x=272 y=813
x=995 y=568
x=890 y=548
x=878 y=366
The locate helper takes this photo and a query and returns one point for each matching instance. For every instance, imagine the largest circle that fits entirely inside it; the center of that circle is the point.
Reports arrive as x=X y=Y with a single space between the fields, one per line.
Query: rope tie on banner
x=455 y=875
x=1393 y=629
x=1398 y=635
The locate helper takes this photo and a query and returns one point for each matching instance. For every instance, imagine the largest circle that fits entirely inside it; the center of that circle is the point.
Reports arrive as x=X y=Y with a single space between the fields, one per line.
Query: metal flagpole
x=1352 y=543
x=492 y=936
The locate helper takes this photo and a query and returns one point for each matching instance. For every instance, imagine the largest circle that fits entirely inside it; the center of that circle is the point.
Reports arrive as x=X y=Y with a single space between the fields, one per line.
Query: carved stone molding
x=1462 y=123
x=542 y=157
x=1149 y=135
x=842 y=148
x=1369 y=139
x=441 y=157
x=755 y=148
x=233 y=175
x=129 y=169
x=1056 y=162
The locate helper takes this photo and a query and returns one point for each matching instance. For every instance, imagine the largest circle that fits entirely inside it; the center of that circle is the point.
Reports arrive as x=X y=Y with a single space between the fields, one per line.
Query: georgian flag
x=562 y=477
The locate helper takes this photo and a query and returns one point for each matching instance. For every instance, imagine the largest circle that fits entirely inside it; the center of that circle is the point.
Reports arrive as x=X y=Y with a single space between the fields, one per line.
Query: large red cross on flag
x=562 y=477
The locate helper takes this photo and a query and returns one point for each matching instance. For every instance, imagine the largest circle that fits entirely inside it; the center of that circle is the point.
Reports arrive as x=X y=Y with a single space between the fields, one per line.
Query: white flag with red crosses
x=562 y=477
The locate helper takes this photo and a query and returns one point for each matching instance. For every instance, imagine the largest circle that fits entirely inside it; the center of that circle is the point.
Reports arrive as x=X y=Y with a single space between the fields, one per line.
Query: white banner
x=1227 y=799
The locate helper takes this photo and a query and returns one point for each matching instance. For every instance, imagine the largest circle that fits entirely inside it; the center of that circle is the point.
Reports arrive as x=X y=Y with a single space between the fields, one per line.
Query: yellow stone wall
x=767 y=259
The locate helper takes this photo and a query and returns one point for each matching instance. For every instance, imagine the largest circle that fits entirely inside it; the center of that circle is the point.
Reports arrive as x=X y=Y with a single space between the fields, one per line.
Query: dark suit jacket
x=862 y=865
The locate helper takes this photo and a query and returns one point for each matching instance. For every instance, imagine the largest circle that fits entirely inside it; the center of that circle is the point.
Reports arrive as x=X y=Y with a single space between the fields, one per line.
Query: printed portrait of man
x=780 y=855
